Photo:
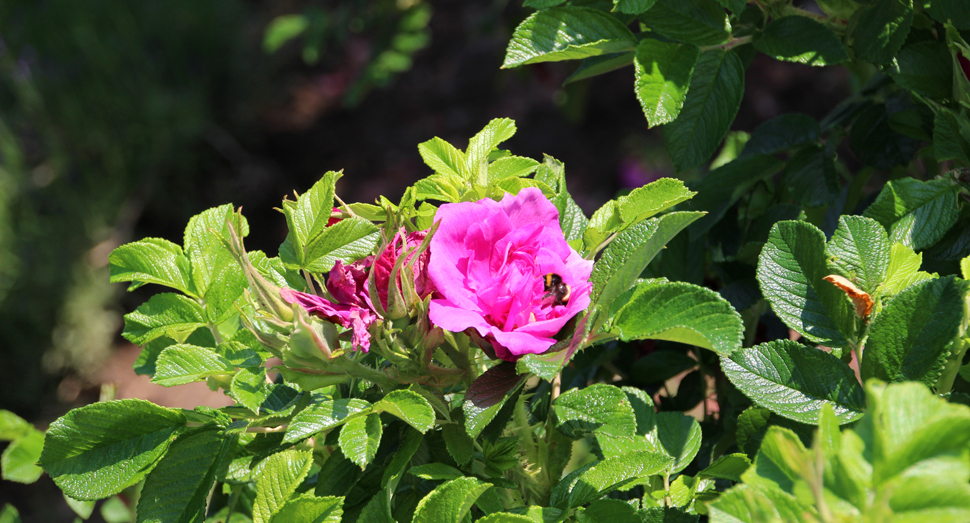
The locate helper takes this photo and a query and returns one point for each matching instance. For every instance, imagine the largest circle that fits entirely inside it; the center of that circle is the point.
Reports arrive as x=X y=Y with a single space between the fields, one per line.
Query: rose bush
x=489 y=262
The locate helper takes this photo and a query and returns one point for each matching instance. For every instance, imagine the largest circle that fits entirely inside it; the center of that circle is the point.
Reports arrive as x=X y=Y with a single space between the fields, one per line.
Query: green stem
x=667 y=500
x=215 y=333
x=730 y=44
x=236 y=489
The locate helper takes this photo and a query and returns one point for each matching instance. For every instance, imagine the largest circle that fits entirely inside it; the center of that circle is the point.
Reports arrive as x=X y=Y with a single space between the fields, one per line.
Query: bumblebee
x=556 y=289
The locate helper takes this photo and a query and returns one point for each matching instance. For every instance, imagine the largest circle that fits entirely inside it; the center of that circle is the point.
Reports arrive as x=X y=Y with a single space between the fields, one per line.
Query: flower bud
x=266 y=293
x=313 y=343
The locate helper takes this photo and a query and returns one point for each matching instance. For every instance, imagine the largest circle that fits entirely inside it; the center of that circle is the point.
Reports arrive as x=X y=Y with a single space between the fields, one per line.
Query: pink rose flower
x=497 y=268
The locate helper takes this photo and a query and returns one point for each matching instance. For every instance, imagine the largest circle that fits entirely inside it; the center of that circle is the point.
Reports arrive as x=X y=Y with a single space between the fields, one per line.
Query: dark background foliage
x=120 y=120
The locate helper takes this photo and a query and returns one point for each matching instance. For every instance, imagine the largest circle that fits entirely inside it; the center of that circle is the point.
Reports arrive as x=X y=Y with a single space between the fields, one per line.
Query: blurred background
x=120 y=120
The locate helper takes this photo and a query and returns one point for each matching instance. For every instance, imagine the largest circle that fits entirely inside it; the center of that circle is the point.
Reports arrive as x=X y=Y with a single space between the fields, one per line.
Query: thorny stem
x=358 y=370
x=952 y=368
x=556 y=385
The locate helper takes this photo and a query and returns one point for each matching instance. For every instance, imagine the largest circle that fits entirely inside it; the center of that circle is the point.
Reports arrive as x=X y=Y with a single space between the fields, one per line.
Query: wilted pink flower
x=384 y=265
x=353 y=310
x=495 y=266
x=347 y=284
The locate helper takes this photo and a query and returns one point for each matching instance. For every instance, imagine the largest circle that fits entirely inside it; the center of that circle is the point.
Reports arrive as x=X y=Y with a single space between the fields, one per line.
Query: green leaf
x=609 y=511
x=811 y=178
x=480 y=145
x=860 y=251
x=348 y=240
x=176 y=490
x=377 y=510
x=282 y=29
x=597 y=65
x=99 y=450
x=20 y=457
x=9 y=514
x=924 y=68
x=511 y=167
x=681 y=312
x=956 y=12
x=782 y=133
x=445 y=188
x=880 y=29
x=436 y=472
x=908 y=339
x=459 y=444
x=566 y=33
x=83 y=509
x=571 y=218
x=450 y=502
x=281 y=475
x=310 y=509
x=727 y=467
x=795 y=381
x=487 y=395
x=913 y=426
x=875 y=141
x=181 y=364
x=504 y=517
x=151 y=260
x=410 y=407
x=626 y=256
x=903 y=270
x=721 y=188
x=216 y=275
x=597 y=479
x=782 y=460
x=324 y=416
x=338 y=476
x=308 y=216
x=443 y=157
x=632 y=7
x=948 y=142
x=542 y=4
x=791 y=269
x=698 y=22
x=165 y=314
x=12 y=426
x=249 y=389
x=663 y=71
x=801 y=39
x=965 y=268
x=410 y=441
x=916 y=213
x=679 y=437
x=360 y=437
x=661 y=365
x=653 y=198
x=750 y=504
x=716 y=89
x=598 y=408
